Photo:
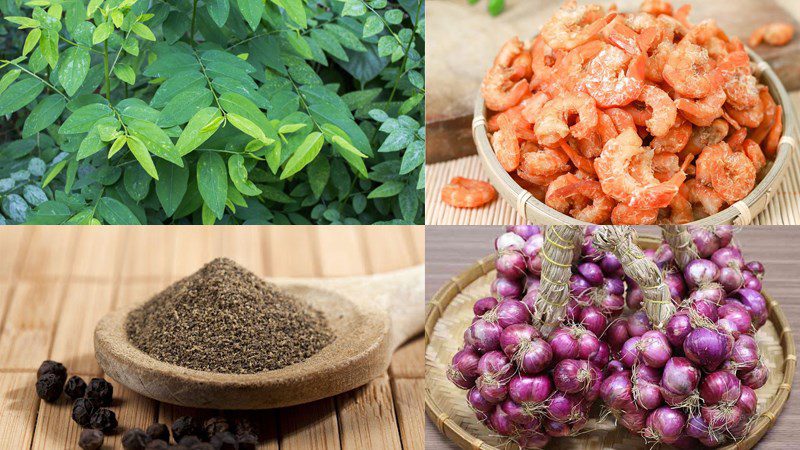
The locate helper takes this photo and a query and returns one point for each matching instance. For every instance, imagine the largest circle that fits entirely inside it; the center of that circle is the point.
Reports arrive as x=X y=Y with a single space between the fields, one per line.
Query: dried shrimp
x=631 y=118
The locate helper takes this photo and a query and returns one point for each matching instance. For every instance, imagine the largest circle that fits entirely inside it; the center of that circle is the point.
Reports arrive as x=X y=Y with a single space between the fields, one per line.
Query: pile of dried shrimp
x=634 y=118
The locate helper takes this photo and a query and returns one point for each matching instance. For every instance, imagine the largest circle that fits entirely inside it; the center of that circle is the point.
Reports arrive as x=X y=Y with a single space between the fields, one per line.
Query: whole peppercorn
x=158 y=431
x=184 y=426
x=104 y=420
x=75 y=388
x=157 y=444
x=101 y=391
x=243 y=426
x=247 y=441
x=216 y=425
x=54 y=367
x=224 y=441
x=203 y=446
x=135 y=439
x=82 y=410
x=90 y=439
x=49 y=387
x=189 y=441
x=178 y=447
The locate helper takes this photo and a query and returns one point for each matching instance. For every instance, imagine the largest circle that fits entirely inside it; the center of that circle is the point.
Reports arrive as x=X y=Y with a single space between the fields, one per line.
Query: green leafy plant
x=212 y=111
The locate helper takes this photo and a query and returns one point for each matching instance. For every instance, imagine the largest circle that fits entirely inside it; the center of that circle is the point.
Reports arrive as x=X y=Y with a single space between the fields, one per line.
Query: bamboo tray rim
x=740 y=213
x=438 y=304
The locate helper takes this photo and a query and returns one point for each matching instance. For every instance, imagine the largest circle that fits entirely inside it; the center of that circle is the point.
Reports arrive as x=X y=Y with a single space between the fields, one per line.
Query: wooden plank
x=408 y=403
x=418 y=242
x=133 y=411
x=84 y=304
x=13 y=241
x=313 y=425
x=131 y=293
x=18 y=405
x=409 y=360
x=367 y=418
x=341 y=251
x=290 y=251
x=148 y=253
x=193 y=249
x=245 y=246
x=387 y=248
x=54 y=425
x=98 y=252
x=50 y=253
x=28 y=328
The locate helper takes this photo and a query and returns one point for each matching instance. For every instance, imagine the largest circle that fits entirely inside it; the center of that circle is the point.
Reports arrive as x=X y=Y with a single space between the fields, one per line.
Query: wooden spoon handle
x=401 y=294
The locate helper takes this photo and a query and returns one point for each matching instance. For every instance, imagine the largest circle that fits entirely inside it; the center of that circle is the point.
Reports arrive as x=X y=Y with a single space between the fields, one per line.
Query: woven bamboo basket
x=740 y=213
x=449 y=313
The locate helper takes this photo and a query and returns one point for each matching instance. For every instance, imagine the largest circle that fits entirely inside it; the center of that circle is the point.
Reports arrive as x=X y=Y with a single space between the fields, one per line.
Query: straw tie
x=680 y=240
x=558 y=251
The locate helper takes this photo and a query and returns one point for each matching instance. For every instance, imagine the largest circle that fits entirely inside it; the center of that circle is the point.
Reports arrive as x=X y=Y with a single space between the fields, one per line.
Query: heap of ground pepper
x=223 y=318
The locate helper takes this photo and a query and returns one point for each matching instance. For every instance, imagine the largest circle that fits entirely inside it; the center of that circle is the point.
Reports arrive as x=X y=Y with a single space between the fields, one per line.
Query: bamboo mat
x=783 y=209
x=56 y=283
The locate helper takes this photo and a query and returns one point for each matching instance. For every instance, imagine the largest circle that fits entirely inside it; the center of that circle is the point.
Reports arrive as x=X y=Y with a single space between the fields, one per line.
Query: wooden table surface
x=56 y=283
x=450 y=250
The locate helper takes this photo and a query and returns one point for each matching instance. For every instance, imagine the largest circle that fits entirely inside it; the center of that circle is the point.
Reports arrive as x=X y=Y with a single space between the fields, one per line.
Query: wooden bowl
x=369 y=316
x=740 y=213
x=449 y=313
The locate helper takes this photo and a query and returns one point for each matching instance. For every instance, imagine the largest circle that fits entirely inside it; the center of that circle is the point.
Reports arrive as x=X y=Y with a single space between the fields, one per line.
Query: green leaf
x=82 y=217
x=90 y=145
x=319 y=171
x=397 y=140
x=23 y=22
x=345 y=37
x=198 y=130
x=125 y=73
x=31 y=41
x=8 y=78
x=115 y=213
x=137 y=182
x=413 y=157
x=117 y=145
x=143 y=31
x=295 y=10
x=359 y=203
x=84 y=118
x=372 y=26
x=393 y=16
x=73 y=69
x=50 y=212
x=409 y=203
x=354 y=8
x=139 y=151
x=325 y=113
x=155 y=140
x=171 y=185
x=43 y=115
x=93 y=5
x=19 y=94
x=53 y=172
x=238 y=174
x=251 y=11
x=212 y=182
x=388 y=189
x=249 y=128
x=304 y=154
x=184 y=106
x=291 y=128
x=329 y=43
x=207 y=215
x=276 y=195
x=102 y=32
x=218 y=10
x=347 y=146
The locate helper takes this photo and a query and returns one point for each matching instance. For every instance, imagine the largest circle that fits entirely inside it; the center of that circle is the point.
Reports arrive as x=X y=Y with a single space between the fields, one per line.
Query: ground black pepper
x=100 y=391
x=75 y=388
x=223 y=318
x=53 y=367
x=216 y=425
x=135 y=439
x=104 y=420
x=49 y=387
x=90 y=439
x=158 y=431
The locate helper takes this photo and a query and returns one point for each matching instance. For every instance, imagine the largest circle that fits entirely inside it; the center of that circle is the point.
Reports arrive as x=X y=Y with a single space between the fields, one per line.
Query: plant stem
x=194 y=13
x=105 y=66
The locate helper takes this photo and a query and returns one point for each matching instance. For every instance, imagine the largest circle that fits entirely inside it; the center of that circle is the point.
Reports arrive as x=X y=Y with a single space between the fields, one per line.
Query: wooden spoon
x=370 y=317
